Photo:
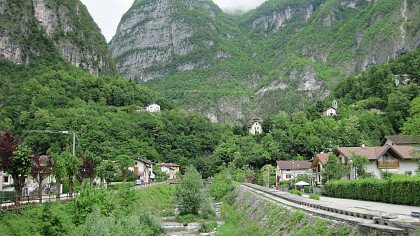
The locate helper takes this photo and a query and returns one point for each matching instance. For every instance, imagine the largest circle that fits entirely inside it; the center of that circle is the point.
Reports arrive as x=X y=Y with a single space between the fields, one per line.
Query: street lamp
x=58 y=132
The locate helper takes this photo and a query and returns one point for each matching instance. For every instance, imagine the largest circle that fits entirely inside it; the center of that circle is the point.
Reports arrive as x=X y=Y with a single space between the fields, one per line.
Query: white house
x=289 y=170
x=153 y=108
x=390 y=159
x=256 y=126
x=6 y=182
x=332 y=111
x=143 y=169
x=169 y=168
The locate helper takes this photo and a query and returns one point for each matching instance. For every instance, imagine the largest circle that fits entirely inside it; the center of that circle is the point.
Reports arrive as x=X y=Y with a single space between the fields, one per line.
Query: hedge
x=397 y=190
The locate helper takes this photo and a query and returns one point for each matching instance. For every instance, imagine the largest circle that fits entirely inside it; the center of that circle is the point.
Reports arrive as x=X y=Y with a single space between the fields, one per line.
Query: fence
x=9 y=202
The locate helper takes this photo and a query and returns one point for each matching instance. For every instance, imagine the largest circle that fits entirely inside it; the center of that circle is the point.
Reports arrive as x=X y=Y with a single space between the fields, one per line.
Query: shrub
x=397 y=189
x=121 y=186
x=314 y=196
x=295 y=192
x=207 y=227
x=188 y=218
x=306 y=189
x=221 y=185
x=190 y=194
x=166 y=213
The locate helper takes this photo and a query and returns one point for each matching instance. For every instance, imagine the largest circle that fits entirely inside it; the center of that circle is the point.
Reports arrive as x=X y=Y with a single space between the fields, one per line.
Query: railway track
x=380 y=222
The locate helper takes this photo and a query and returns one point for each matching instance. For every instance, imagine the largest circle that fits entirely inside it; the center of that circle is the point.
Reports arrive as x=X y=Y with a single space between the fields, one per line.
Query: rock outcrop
x=281 y=56
x=47 y=29
x=158 y=38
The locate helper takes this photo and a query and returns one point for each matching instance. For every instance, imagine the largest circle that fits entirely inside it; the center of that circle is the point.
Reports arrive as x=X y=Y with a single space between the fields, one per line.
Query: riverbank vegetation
x=245 y=213
x=94 y=212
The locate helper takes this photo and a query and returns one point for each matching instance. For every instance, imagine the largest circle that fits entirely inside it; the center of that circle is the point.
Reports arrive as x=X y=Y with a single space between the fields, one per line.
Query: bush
x=207 y=227
x=314 y=196
x=167 y=213
x=190 y=193
x=295 y=192
x=121 y=186
x=399 y=189
x=188 y=218
x=306 y=189
x=221 y=185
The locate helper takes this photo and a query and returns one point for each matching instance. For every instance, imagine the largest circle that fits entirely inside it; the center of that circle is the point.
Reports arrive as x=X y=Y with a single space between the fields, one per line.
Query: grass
x=314 y=196
x=295 y=192
x=188 y=218
x=228 y=229
x=207 y=227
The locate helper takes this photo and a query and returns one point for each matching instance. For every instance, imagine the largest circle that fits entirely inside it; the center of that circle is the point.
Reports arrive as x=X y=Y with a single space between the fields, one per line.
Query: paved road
x=402 y=210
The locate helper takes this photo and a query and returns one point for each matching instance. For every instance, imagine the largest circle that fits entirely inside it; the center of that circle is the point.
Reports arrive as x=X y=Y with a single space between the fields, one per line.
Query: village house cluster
x=395 y=155
x=142 y=168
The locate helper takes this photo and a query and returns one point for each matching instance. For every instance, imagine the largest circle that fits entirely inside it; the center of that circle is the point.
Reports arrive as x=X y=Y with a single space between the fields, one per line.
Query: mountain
x=282 y=56
x=50 y=30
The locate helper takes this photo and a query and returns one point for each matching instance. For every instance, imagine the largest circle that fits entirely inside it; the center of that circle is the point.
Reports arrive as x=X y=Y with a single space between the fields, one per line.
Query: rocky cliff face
x=47 y=29
x=157 y=38
x=280 y=56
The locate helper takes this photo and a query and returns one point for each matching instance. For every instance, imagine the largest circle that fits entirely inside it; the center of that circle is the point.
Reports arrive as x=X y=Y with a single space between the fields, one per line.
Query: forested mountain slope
x=282 y=56
x=49 y=30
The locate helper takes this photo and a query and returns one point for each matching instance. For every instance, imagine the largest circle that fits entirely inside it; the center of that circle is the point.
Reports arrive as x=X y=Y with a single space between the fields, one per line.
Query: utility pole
x=59 y=132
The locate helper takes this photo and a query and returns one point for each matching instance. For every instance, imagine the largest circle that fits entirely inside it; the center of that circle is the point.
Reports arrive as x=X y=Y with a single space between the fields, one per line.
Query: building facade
x=397 y=159
x=289 y=170
x=153 y=108
x=317 y=166
x=256 y=127
x=144 y=169
x=170 y=169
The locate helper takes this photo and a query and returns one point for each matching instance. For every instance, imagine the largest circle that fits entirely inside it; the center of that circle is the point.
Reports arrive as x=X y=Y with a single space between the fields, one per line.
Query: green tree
x=59 y=171
x=332 y=170
x=22 y=164
x=15 y=160
x=267 y=173
x=106 y=170
x=189 y=193
x=72 y=168
x=221 y=185
x=359 y=165
x=123 y=162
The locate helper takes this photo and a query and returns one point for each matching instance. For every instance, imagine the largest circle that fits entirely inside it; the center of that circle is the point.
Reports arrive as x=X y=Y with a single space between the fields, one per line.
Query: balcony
x=388 y=164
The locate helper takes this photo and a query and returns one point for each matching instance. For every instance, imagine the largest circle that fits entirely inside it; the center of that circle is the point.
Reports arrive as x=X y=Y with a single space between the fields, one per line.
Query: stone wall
x=274 y=218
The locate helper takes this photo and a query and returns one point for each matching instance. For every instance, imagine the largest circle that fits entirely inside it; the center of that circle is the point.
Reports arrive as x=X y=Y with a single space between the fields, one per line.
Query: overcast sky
x=107 y=13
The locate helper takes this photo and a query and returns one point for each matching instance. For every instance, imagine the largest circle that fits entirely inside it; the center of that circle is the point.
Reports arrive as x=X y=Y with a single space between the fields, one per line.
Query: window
x=6 y=179
x=409 y=173
x=287 y=170
x=288 y=176
x=385 y=157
